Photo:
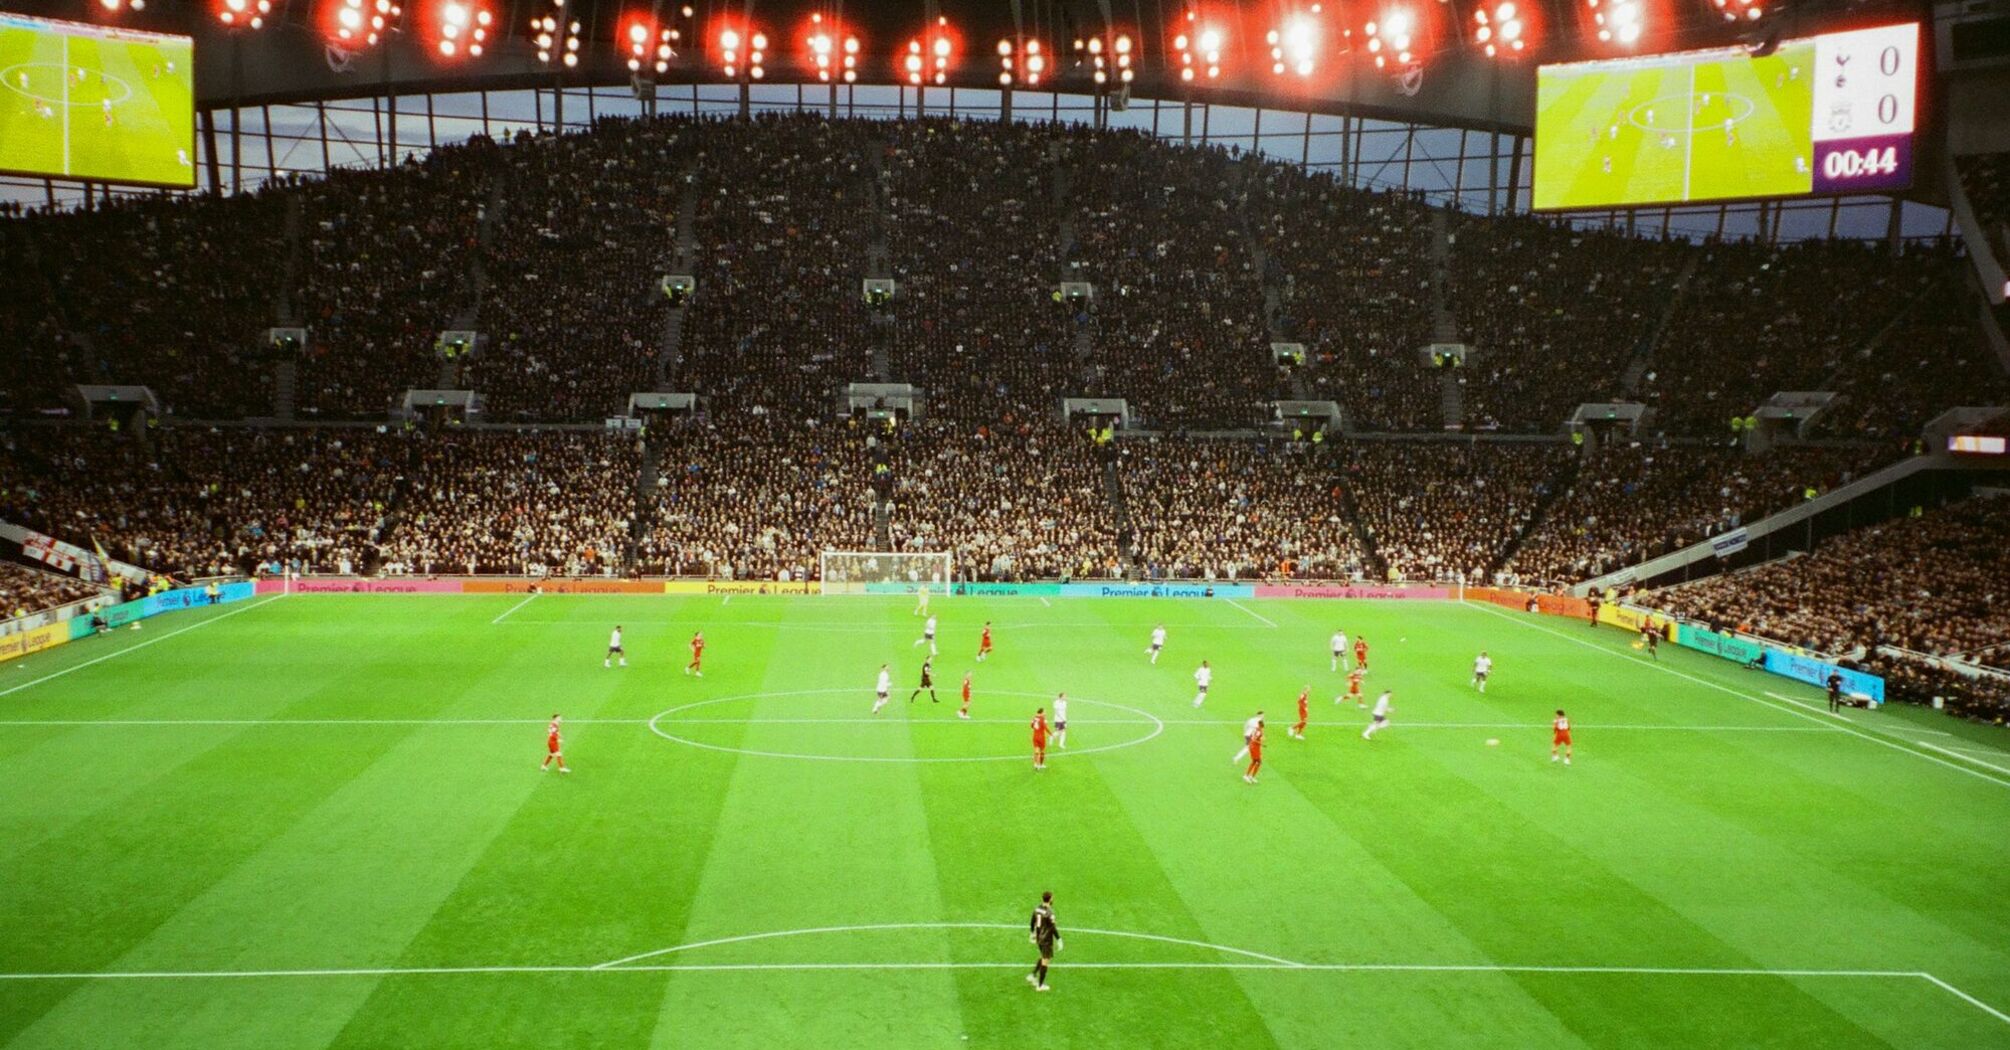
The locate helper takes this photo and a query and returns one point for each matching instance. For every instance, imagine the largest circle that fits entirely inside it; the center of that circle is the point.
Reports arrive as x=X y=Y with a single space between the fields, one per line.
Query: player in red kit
x=1304 y=712
x=984 y=643
x=1353 y=688
x=1560 y=736
x=1255 y=754
x=964 y=711
x=551 y=748
x=1040 y=739
x=697 y=655
x=1361 y=655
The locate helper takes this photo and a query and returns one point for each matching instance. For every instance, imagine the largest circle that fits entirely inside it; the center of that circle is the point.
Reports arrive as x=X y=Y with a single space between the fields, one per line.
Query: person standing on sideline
x=1045 y=934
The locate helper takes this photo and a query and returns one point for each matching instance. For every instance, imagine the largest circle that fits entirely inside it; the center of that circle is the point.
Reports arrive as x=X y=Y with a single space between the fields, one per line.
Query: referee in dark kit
x=1047 y=936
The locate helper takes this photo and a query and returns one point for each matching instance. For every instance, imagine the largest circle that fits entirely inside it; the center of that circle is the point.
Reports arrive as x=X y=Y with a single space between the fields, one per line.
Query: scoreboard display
x=81 y=101
x=1826 y=114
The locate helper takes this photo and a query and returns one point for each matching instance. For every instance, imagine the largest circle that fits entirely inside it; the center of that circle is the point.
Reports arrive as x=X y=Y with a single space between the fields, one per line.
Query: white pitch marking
x=226 y=722
x=1963 y=755
x=1046 y=603
x=1267 y=622
x=874 y=927
x=135 y=648
x=511 y=609
x=1835 y=724
x=874 y=628
x=141 y=722
x=1964 y=996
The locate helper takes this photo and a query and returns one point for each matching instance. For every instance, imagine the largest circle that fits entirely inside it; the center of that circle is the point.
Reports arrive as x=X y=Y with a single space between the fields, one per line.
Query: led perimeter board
x=92 y=102
x=1827 y=114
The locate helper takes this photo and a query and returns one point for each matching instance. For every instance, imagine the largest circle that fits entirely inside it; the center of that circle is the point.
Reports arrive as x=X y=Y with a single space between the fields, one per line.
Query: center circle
x=1741 y=109
x=658 y=722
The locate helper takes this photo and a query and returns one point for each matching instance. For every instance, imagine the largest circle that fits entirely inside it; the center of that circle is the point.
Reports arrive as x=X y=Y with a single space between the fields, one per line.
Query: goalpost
x=884 y=572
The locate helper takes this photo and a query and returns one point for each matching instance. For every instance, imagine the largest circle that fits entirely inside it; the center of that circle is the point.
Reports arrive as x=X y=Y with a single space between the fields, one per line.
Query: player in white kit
x=1249 y=727
x=1339 y=650
x=928 y=635
x=1158 y=642
x=921 y=600
x=1379 y=718
x=1481 y=665
x=884 y=687
x=614 y=649
x=1061 y=721
x=1202 y=679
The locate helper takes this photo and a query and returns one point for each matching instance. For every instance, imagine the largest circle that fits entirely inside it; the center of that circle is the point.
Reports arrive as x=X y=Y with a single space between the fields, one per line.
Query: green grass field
x=317 y=822
x=53 y=122
x=1660 y=125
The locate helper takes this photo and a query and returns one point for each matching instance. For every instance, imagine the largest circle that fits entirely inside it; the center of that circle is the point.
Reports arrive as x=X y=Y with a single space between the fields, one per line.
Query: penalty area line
x=135 y=648
x=1965 y=997
x=505 y=613
x=1267 y=621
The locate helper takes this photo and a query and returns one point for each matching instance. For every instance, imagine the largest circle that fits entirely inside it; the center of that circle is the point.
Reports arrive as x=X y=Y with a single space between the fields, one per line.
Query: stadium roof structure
x=1451 y=83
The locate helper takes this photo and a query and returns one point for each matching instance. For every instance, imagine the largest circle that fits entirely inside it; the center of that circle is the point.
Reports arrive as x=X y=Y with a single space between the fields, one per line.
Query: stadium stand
x=1223 y=510
x=24 y=591
x=1986 y=178
x=1928 y=584
x=1632 y=502
x=754 y=496
x=1450 y=510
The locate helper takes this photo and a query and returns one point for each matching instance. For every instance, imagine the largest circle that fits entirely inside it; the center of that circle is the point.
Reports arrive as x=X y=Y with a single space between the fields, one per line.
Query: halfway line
x=513 y=608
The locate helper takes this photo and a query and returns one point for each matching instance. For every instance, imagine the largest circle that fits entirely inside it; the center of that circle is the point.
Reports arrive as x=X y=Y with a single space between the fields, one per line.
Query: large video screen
x=1821 y=115
x=96 y=102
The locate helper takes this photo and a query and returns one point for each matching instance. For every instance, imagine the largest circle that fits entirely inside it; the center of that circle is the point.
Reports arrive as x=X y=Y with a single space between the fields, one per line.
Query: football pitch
x=1684 y=128
x=318 y=821
x=83 y=106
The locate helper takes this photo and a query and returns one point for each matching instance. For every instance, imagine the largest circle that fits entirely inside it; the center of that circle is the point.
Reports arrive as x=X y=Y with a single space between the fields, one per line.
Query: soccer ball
x=1493 y=741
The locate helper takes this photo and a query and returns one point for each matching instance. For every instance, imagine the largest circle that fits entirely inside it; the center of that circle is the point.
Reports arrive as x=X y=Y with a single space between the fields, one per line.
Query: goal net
x=884 y=572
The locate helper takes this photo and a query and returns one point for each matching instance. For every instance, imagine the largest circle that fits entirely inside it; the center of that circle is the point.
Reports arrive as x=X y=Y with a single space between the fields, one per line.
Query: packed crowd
x=196 y=501
x=1013 y=499
x=1757 y=319
x=572 y=307
x=24 y=591
x=1200 y=258
x=520 y=502
x=1351 y=271
x=975 y=321
x=784 y=218
x=1981 y=697
x=1554 y=321
x=1449 y=510
x=1631 y=502
x=384 y=268
x=1178 y=327
x=755 y=496
x=1227 y=510
x=1935 y=584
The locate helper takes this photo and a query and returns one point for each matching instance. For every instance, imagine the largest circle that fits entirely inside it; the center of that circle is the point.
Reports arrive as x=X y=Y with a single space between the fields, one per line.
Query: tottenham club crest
x=1839 y=117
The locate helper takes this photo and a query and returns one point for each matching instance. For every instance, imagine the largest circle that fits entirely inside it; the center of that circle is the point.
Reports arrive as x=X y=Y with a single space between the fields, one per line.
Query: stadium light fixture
x=1021 y=62
x=1500 y=28
x=1294 y=45
x=1618 y=21
x=1747 y=10
x=115 y=6
x=833 y=51
x=1199 y=44
x=243 y=14
x=1108 y=58
x=361 y=23
x=742 y=48
x=461 y=27
x=930 y=57
x=1393 y=38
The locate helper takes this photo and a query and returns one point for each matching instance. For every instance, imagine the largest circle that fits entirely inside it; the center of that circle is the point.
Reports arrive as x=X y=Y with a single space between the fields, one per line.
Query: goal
x=884 y=572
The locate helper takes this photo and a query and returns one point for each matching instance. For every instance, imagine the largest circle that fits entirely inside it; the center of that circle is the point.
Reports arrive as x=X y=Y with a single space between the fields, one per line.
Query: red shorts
x=1256 y=752
x=1039 y=743
x=552 y=746
x=1561 y=738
